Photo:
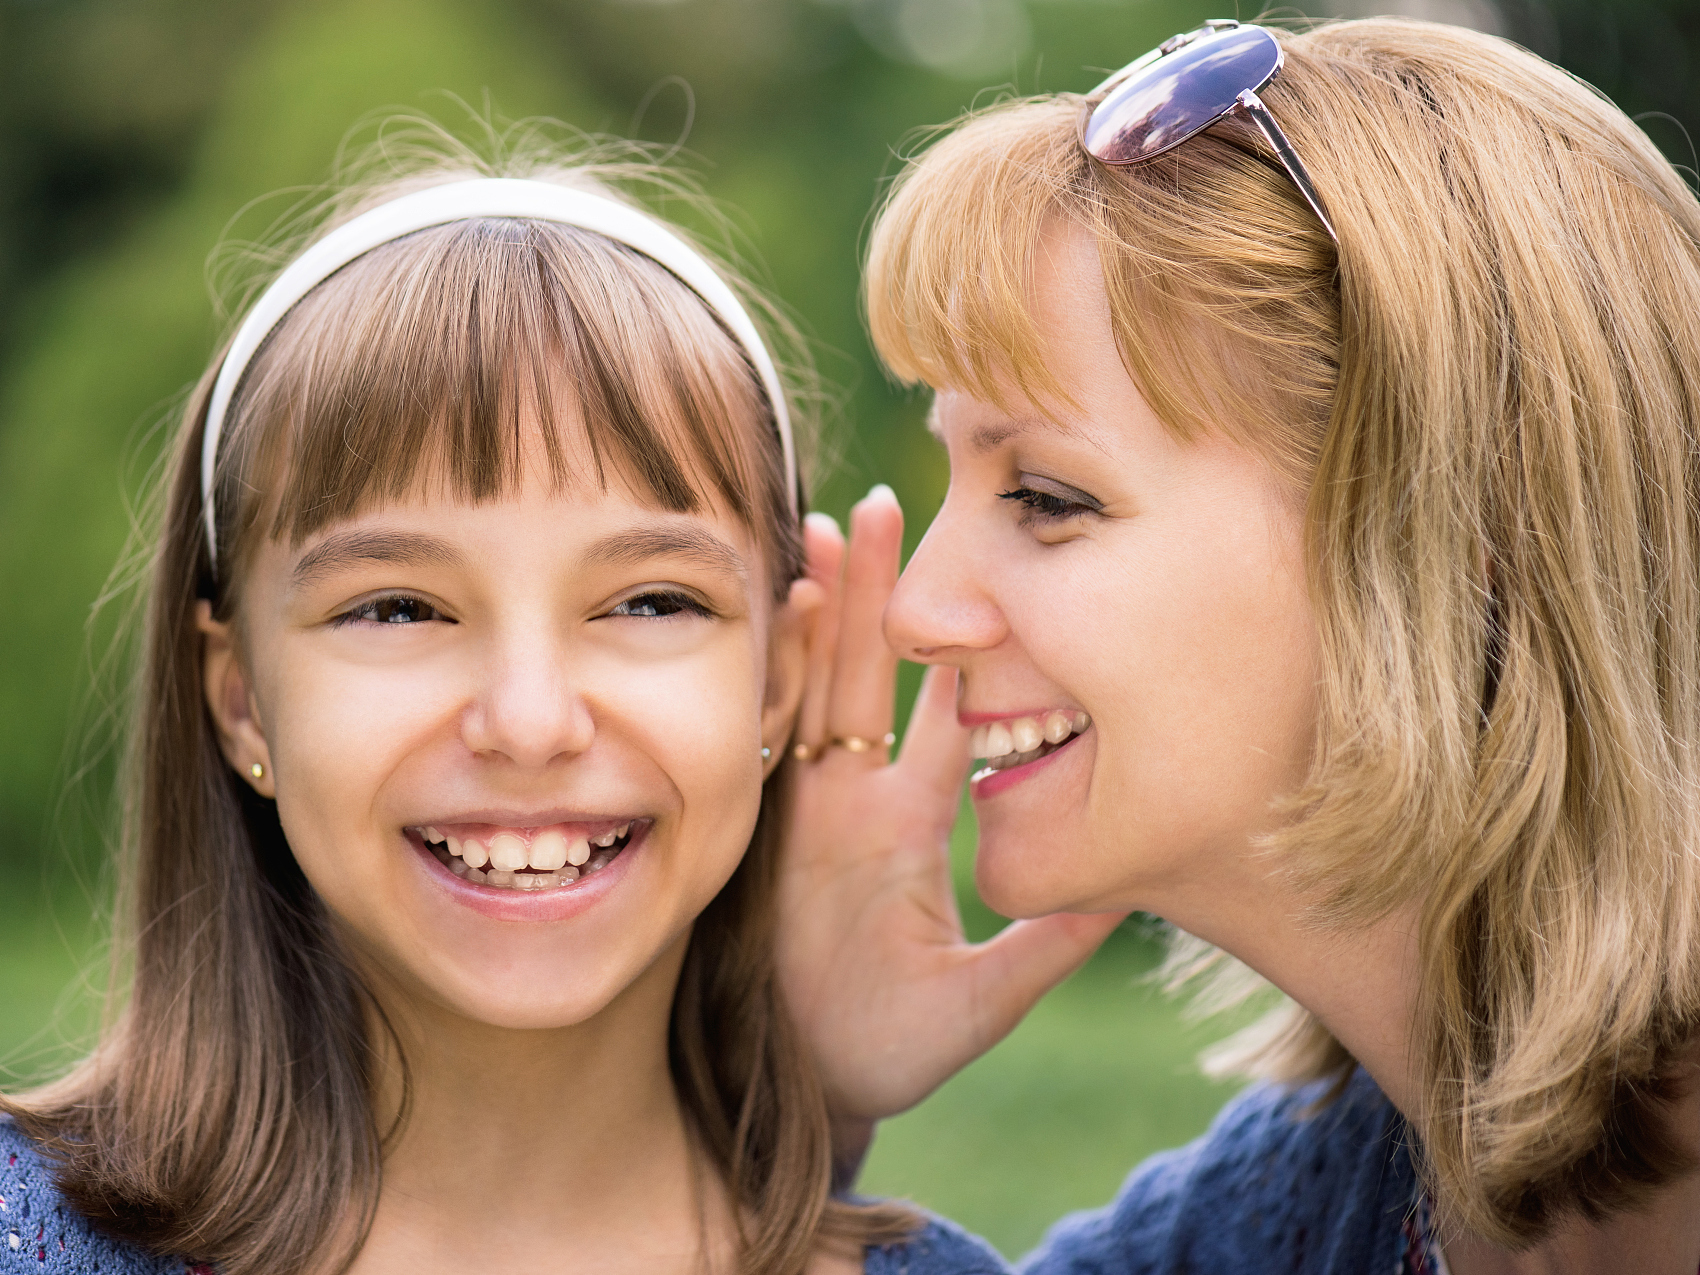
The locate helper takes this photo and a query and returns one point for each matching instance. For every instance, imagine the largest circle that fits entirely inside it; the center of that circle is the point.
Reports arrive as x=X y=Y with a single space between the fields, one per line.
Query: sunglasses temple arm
x=1252 y=105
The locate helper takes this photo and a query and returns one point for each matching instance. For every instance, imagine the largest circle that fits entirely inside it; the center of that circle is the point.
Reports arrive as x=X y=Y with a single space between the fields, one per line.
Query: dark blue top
x=1270 y=1189
x=41 y=1234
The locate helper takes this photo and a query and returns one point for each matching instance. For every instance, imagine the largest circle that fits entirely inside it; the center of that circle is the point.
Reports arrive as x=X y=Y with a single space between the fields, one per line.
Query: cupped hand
x=890 y=996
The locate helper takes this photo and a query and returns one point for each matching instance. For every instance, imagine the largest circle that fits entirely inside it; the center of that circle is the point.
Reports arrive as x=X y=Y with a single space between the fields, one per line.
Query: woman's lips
x=993 y=780
x=1014 y=741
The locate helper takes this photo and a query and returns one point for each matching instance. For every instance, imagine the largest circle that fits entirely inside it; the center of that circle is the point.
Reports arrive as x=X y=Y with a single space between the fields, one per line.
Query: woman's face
x=1095 y=564
x=515 y=746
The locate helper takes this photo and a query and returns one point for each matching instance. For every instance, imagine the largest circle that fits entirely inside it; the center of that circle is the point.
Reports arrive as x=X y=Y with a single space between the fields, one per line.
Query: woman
x=1336 y=467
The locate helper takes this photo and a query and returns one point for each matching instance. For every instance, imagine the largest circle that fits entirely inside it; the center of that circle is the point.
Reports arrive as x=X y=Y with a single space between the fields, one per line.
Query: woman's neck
x=542 y=1149
x=1363 y=985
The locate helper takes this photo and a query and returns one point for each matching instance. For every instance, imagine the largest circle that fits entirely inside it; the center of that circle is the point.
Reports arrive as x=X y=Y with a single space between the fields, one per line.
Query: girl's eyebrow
x=404 y=548
x=694 y=544
x=417 y=548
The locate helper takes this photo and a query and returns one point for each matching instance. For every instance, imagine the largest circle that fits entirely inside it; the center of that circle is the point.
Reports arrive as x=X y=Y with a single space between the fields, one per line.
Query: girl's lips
x=989 y=783
x=501 y=904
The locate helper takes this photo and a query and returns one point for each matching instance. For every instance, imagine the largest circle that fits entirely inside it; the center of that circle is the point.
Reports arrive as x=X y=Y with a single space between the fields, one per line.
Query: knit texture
x=1270 y=1188
x=943 y=1248
x=42 y=1235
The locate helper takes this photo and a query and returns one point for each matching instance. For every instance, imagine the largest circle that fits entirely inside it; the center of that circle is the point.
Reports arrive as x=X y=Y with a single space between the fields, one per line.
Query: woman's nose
x=527 y=709
x=941 y=611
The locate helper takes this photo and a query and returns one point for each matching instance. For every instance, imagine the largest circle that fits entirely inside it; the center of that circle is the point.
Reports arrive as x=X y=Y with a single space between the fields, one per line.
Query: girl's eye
x=1043 y=505
x=660 y=604
x=393 y=609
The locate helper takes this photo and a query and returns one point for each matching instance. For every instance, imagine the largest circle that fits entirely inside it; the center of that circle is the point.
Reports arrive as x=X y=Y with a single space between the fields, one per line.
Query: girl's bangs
x=444 y=360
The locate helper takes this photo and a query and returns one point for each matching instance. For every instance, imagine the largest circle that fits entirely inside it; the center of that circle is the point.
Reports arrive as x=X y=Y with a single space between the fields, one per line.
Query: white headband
x=461 y=201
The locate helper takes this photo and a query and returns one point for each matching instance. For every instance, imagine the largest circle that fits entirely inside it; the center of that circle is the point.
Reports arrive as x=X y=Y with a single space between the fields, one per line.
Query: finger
x=1028 y=958
x=823 y=545
x=864 y=681
x=935 y=747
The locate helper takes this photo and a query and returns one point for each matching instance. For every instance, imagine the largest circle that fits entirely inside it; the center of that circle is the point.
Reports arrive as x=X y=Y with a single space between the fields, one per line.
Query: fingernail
x=820 y=521
x=879 y=491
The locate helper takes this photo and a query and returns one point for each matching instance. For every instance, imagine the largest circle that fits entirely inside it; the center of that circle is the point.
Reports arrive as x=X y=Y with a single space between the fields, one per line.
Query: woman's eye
x=659 y=605
x=1044 y=505
x=394 y=609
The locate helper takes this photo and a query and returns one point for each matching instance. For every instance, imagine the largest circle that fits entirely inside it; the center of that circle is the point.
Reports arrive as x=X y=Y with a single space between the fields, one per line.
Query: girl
x=477 y=627
x=1325 y=441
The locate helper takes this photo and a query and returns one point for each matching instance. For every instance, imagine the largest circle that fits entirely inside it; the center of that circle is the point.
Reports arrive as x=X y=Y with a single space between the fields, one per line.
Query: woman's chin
x=1021 y=877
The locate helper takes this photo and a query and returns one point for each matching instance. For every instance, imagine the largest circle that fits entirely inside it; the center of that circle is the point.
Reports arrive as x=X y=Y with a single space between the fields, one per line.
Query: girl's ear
x=788 y=644
x=225 y=684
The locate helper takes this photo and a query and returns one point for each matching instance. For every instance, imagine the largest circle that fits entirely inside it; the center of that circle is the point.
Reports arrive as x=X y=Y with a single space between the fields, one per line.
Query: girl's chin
x=522 y=1013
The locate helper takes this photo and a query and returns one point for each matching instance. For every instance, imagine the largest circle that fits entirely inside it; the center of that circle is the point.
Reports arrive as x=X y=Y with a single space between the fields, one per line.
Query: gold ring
x=807 y=752
x=856 y=744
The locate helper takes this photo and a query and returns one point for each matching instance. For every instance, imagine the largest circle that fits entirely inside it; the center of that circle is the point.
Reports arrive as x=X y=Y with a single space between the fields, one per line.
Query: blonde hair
x=228 y=1112
x=1490 y=396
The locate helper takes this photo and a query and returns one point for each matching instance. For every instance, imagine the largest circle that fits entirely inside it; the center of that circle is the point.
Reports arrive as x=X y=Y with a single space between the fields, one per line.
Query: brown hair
x=1491 y=396
x=228 y=1110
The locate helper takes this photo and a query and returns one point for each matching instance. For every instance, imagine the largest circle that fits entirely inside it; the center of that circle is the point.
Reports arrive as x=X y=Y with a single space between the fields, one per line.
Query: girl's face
x=515 y=746
x=1094 y=564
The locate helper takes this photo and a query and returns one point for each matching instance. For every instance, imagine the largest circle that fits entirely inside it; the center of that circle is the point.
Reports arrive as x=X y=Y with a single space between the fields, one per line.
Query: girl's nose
x=942 y=610
x=527 y=710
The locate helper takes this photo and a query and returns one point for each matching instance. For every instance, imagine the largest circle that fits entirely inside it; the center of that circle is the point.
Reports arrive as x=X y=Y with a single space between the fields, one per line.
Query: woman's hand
x=890 y=997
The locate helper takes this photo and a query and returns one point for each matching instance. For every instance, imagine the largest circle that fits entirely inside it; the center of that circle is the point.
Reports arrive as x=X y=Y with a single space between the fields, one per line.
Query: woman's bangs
x=951 y=261
x=449 y=360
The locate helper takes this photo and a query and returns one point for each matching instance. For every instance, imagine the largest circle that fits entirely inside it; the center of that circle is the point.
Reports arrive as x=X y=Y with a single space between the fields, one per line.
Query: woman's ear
x=789 y=639
x=225 y=684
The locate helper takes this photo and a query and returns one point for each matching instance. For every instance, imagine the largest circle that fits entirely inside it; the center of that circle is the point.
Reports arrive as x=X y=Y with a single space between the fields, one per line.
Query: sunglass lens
x=1174 y=97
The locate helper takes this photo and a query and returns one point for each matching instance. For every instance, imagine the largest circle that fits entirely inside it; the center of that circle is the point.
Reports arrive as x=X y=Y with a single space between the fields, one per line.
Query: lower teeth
x=1009 y=761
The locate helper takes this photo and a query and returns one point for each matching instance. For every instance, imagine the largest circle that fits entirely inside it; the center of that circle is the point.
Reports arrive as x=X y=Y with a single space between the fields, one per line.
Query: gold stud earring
x=257 y=771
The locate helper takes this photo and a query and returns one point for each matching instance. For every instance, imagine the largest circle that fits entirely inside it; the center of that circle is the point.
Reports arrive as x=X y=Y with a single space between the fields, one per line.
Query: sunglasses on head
x=1181 y=88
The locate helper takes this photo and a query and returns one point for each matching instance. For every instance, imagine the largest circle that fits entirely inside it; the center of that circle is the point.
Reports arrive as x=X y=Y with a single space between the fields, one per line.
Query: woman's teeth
x=1013 y=743
x=507 y=860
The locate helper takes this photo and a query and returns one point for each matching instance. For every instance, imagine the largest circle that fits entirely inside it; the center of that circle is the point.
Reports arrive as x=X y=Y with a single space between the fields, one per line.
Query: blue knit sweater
x=41 y=1234
x=1269 y=1189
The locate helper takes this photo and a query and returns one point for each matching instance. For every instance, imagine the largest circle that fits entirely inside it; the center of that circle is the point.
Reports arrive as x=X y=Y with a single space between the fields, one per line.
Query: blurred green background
x=132 y=132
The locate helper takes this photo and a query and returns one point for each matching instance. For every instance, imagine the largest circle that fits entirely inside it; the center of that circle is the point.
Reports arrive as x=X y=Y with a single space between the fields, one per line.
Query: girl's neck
x=544 y=1149
x=1362 y=984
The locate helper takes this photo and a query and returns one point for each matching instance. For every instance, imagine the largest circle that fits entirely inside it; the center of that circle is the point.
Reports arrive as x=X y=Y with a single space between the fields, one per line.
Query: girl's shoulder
x=939 y=1248
x=42 y=1234
x=1277 y=1184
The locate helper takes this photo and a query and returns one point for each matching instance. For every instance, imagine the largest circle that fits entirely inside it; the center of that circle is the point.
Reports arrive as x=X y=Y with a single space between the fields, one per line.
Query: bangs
x=1227 y=323
x=950 y=264
x=424 y=362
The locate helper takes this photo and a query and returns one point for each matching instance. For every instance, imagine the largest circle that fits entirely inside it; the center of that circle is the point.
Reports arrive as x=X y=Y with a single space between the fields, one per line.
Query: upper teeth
x=550 y=850
x=1025 y=734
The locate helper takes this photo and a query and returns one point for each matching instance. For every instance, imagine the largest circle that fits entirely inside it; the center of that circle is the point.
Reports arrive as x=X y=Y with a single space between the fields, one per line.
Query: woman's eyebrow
x=403 y=548
x=990 y=435
x=694 y=544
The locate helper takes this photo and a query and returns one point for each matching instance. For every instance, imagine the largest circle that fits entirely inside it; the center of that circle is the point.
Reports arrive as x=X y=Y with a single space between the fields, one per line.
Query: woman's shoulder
x=41 y=1233
x=1276 y=1184
x=938 y=1248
